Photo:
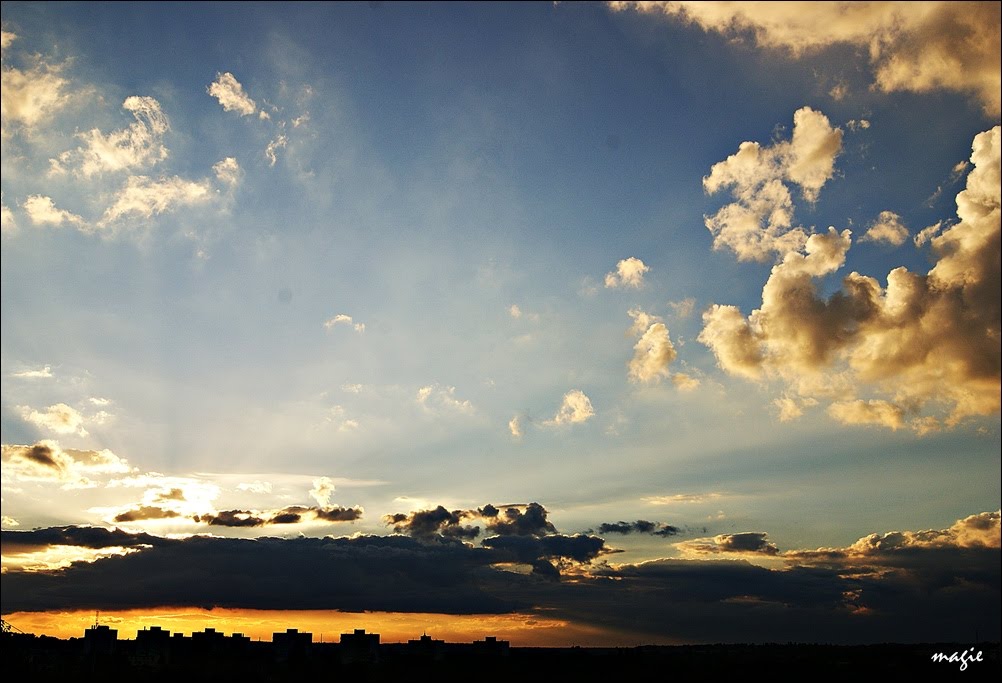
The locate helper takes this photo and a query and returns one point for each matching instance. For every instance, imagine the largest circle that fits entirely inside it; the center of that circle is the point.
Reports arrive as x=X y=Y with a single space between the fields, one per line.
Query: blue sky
x=381 y=257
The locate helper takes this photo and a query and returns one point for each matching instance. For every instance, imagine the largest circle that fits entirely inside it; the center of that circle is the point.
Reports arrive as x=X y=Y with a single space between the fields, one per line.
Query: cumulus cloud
x=8 y=224
x=59 y=418
x=922 y=341
x=575 y=409
x=518 y=520
x=652 y=354
x=42 y=211
x=138 y=145
x=323 y=489
x=914 y=47
x=744 y=543
x=228 y=171
x=346 y=320
x=439 y=522
x=887 y=228
x=759 y=224
x=144 y=197
x=271 y=151
x=230 y=93
x=682 y=308
x=629 y=273
x=144 y=513
x=29 y=96
x=47 y=461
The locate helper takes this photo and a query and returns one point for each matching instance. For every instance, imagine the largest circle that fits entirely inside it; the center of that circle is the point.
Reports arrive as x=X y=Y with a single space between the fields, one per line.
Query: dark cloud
x=292 y=514
x=580 y=548
x=41 y=454
x=755 y=542
x=145 y=512
x=641 y=526
x=14 y=542
x=428 y=524
x=512 y=520
x=488 y=511
x=173 y=494
x=927 y=586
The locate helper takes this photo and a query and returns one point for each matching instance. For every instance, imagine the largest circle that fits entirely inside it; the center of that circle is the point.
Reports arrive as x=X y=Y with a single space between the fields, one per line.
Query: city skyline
x=573 y=323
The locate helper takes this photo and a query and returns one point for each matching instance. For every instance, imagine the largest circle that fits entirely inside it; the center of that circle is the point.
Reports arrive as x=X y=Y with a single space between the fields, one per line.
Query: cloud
x=915 y=48
x=227 y=89
x=910 y=584
x=47 y=461
x=144 y=197
x=42 y=211
x=515 y=427
x=138 y=145
x=8 y=224
x=682 y=308
x=336 y=417
x=271 y=151
x=887 y=228
x=759 y=224
x=346 y=320
x=439 y=522
x=437 y=398
x=629 y=273
x=59 y=418
x=515 y=520
x=922 y=341
x=8 y=522
x=576 y=408
x=926 y=234
x=30 y=96
x=653 y=353
x=744 y=543
x=684 y=498
x=228 y=171
x=323 y=489
x=43 y=373
x=291 y=514
x=255 y=487
x=143 y=513
x=873 y=412
x=641 y=526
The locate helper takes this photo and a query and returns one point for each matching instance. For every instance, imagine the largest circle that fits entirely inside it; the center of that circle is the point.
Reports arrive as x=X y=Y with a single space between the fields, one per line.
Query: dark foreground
x=34 y=658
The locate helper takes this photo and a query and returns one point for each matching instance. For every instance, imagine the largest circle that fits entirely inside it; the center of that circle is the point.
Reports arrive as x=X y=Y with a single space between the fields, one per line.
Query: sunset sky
x=570 y=322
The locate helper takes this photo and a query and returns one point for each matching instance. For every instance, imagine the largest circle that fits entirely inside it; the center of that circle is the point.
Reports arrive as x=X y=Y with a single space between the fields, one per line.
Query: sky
x=577 y=323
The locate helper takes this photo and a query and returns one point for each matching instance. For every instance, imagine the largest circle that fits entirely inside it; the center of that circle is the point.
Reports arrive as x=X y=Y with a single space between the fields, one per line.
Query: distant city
x=156 y=654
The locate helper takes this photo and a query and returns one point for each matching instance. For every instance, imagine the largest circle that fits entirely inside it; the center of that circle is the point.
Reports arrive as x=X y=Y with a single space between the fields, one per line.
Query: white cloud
x=926 y=234
x=576 y=408
x=144 y=197
x=336 y=416
x=682 y=498
x=43 y=373
x=886 y=228
x=271 y=151
x=685 y=382
x=323 y=489
x=515 y=427
x=343 y=319
x=228 y=171
x=59 y=418
x=138 y=145
x=259 y=487
x=352 y=388
x=8 y=224
x=629 y=273
x=653 y=353
x=42 y=211
x=9 y=522
x=915 y=47
x=683 y=308
x=47 y=461
x=923 y=340
x=29 y=97
x=759 y=225
x=437 y=398
x=227 y=89
x=514 y=311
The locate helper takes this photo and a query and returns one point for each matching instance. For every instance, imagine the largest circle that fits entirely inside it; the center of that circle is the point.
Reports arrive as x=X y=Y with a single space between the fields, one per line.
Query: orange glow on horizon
x=521 y=629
